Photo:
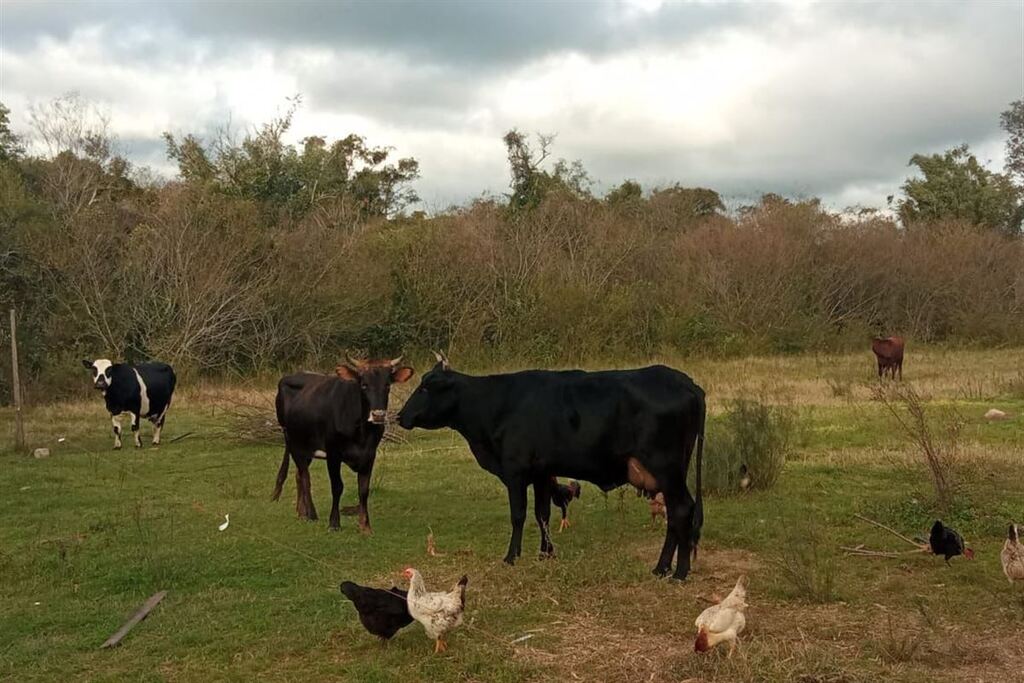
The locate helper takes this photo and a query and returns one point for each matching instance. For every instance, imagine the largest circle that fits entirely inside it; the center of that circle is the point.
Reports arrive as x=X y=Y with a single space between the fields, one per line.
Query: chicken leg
x=440 y=645
x=563 y=525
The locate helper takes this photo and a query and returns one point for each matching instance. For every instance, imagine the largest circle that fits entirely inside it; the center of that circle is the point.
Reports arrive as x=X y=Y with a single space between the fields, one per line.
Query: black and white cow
x=144 y=390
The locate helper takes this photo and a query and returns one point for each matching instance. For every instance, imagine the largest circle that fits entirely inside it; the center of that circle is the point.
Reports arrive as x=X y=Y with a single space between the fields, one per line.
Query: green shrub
x=752 y=434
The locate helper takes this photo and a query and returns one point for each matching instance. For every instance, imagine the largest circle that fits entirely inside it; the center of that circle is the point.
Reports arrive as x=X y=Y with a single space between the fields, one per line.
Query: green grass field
x=89 y=533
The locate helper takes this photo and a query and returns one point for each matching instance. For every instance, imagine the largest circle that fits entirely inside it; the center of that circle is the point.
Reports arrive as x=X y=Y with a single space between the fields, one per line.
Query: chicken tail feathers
x=462 y=589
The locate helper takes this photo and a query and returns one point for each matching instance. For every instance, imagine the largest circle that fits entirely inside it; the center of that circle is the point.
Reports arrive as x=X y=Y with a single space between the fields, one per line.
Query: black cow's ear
x=346 y=373
x=87 y=364
x=402 y=374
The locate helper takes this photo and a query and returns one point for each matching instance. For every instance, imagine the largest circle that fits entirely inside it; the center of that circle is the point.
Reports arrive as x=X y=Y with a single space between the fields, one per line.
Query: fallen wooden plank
x=136 y=618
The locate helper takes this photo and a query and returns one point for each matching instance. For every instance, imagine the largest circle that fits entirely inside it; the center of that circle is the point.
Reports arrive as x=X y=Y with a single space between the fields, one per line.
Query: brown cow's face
x=375 y=379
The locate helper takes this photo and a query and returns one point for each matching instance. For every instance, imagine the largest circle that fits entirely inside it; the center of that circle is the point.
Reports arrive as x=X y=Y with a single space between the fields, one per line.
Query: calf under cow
x=609 y=428
x=340 y=418
x=144 y=390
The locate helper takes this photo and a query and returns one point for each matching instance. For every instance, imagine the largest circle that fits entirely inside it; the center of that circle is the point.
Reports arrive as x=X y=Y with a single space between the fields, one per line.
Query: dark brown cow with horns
x=340 y=418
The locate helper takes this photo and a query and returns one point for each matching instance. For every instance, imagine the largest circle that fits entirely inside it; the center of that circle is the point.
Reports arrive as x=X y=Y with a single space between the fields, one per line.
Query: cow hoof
x=509 y=560
x=661 y=572
x=366 y=531
x=117 y=448
x=679 y=576
x=550 y=555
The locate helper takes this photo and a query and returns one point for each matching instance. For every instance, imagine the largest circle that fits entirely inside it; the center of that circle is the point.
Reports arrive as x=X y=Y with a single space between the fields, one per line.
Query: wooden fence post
x=19 y=427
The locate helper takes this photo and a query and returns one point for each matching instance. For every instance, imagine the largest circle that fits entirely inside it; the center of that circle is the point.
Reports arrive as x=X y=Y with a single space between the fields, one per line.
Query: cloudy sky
x=802 y=99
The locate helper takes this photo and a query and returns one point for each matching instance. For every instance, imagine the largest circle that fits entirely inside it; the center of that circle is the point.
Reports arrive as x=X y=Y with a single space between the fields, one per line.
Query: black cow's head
x=375 y=379
x=100 y=368
x=433 y=404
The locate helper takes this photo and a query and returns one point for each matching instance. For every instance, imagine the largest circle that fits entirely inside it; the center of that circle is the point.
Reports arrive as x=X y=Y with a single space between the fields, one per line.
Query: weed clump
x=806 y=564
x=935 y=433
x=748 y=448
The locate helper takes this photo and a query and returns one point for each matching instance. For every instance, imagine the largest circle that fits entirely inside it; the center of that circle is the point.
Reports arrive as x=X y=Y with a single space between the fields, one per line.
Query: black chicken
x=947 y=542
x=382 y=612
x=562 y=495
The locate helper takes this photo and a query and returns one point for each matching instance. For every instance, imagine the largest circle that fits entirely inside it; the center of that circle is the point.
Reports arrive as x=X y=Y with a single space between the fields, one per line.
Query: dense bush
x=753 y=438
x=217 y=275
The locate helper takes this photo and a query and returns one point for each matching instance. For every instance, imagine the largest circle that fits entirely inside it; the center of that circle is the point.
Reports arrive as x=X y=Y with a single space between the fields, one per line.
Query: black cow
x=609 y=428
x=340 y=418
x=144 y=390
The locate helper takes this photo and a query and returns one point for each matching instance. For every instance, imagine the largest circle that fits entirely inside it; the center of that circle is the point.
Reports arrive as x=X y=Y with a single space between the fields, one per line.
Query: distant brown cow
x=889 y=351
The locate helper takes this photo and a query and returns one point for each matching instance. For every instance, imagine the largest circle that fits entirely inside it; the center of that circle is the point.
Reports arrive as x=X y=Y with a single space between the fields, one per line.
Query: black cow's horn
x=394 y=362
x=351 y=361
x=442 y=359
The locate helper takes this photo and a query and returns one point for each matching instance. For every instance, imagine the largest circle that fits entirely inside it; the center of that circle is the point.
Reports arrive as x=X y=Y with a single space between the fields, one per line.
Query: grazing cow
x=339 y=418
x=144 y=390
x=608 y=428
x=889 y=351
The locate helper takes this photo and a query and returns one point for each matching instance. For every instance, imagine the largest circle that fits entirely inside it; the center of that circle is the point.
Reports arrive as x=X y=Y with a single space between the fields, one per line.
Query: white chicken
x=1013 y=556
x=724 y=621
x=438 y=612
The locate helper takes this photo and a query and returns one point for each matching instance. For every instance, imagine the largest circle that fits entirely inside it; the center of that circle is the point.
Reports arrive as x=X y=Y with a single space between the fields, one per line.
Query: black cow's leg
x=682 y=512
x=542 y=511
x=158 y=425
x=664 y=565
x=304 y=495
x=135 y=430
x=300 y=498
x=517 y=509
x=364 y=499
x=115 y=420
x=282 y=475
x=337 y=486
x=310 y=507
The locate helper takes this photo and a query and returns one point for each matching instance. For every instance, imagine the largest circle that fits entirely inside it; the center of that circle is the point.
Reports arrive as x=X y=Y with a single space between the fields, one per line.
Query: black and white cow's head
x=101 y=375
x=375 y=378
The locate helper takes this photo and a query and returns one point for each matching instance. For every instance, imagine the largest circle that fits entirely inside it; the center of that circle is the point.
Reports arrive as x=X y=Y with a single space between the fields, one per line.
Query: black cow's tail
x=698 y=512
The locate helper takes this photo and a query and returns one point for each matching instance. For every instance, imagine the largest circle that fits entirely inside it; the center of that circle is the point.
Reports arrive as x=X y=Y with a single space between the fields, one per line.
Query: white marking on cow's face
x=143 y=396
x=101 y=369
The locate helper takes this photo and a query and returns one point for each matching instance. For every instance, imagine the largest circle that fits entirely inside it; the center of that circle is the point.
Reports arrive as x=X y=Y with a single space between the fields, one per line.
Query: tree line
x=262 y=255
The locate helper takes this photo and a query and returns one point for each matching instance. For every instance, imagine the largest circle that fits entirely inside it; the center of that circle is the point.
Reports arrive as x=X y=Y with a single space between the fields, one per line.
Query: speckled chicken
x=657 y=505
x=438 y=612
x=723 y=622
x=1013 y=555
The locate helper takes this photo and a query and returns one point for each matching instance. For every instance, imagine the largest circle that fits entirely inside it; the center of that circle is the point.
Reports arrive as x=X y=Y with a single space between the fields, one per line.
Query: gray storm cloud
x=827 y=100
